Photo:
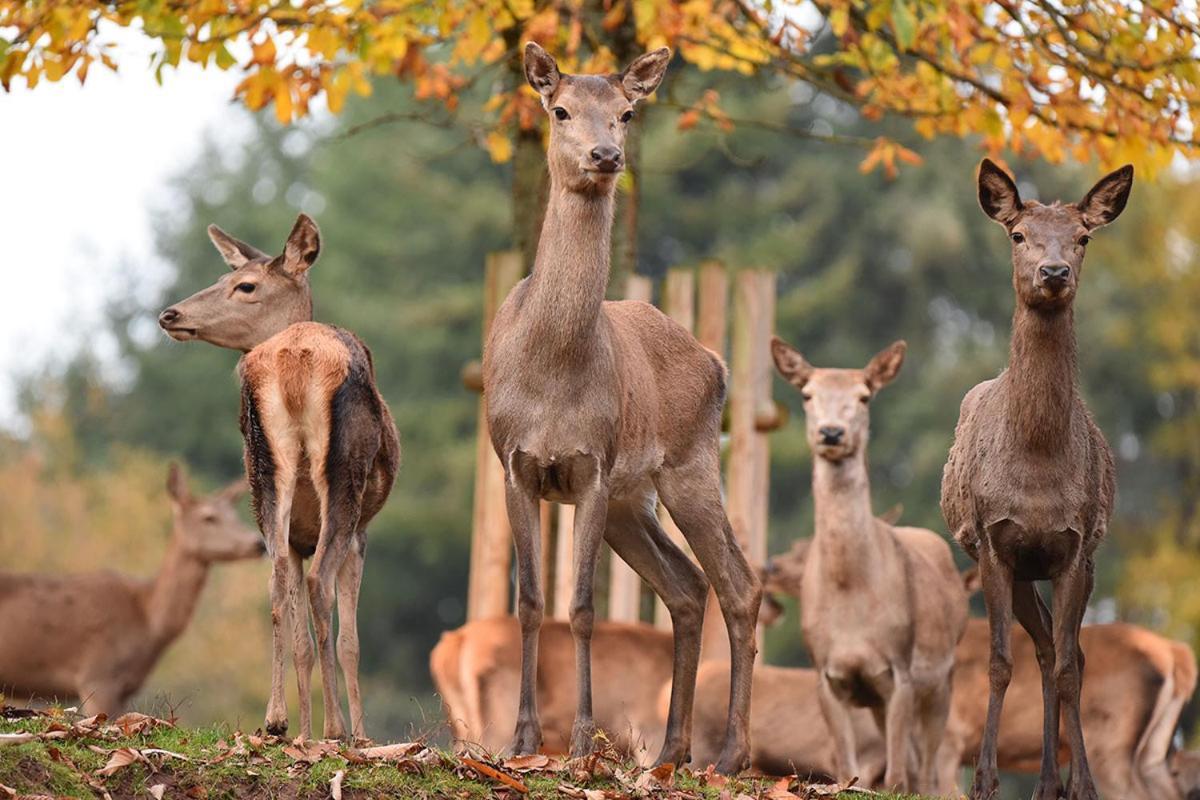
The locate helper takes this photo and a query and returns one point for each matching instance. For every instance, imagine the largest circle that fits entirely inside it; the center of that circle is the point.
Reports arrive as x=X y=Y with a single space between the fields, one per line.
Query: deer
x=1130 y=708
x=605 y=405
x=97 y=636
x=477 y=669
x=1028 y=487
x=321 y=454
x=882 y=607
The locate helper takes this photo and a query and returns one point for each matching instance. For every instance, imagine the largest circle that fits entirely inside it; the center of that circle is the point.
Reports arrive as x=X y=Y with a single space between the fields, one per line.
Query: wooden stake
x=491 y=540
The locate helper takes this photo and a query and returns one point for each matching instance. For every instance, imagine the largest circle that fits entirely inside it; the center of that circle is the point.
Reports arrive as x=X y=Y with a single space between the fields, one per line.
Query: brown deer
x=603 y=404
x=882 y=607
x=1028 y=488
x=1130 y=706
x=98 y=635
x=477 y=670
x=321 y=454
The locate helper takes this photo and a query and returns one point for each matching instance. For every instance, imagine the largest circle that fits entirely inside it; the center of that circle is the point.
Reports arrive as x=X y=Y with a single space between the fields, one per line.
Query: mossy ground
x=67 y=759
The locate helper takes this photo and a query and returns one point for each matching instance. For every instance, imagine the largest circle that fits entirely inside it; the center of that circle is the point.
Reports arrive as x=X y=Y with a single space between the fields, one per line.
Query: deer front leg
x=837 y=718
x=1071 y=590
x=591 y=512
x=523 y=517
x=898 y=730
x=1034 y=617
x=997 y=594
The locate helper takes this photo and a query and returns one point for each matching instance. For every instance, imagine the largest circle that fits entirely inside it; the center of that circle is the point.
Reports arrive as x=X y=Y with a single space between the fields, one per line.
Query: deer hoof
x=675 y=753
x=276 y=728
x=583 y=738
x=526 y=740
x=985 y=787
x=733 y=762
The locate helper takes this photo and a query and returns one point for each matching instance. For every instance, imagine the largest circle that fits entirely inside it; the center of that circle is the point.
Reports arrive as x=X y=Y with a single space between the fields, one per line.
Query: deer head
x=589 y=115
x=209 y=528
x=835 y=400
x=1050 y=241
x=258 y=299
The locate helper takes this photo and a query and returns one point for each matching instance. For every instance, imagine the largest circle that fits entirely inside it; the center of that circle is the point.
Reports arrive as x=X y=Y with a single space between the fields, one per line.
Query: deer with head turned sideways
x=1029 y=484
x=321 y=455
x=882 y=607
x=604 y=405
x=98 y=635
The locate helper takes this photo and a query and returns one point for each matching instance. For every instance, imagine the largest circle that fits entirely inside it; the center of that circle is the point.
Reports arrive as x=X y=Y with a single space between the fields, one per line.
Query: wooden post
x=491 y=540
x=624 y=585
x=747 y=474
x=678 y=303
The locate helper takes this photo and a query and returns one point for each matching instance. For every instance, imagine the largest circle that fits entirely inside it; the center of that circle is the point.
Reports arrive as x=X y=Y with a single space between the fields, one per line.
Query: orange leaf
x=491 y=773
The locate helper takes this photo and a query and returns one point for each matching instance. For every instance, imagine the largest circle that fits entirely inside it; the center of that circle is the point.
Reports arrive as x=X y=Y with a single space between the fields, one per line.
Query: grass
x=67 y=757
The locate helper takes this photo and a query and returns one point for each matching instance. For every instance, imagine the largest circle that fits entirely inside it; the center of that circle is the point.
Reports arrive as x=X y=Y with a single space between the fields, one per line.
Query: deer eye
x=1083 y=240
x=561 y=114
x=805 y=396
x=627 y=116
x=1017 y=237
x=865 y=399
x=246 y=288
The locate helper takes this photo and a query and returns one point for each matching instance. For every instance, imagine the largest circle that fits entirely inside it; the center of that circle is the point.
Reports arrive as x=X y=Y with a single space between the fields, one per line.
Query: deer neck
x=570 y=273
x=845 y=526
x=299 y=310
x=174 y=592
x=1041 y=377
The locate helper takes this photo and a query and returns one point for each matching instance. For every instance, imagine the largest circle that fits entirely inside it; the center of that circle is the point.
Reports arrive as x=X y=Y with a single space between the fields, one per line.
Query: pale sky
x=81 y=170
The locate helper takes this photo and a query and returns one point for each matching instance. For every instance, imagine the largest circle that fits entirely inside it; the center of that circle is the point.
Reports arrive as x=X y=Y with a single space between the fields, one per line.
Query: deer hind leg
x=997 y=582
x=691 y=491
x=521 y=499
x=282 y=584
x=1034 y=617
x=634 y=533
x=349 y=580
x=1072 y=587
x=302 y=643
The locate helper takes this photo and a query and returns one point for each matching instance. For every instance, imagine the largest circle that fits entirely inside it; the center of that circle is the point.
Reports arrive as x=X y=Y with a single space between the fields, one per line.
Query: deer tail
x=295 y=376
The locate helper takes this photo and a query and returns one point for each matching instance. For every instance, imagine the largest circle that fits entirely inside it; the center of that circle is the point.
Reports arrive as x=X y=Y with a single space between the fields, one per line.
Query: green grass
x=68 y=767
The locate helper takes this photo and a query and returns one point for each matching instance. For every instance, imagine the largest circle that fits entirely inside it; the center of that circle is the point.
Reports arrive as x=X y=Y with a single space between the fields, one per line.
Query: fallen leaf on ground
x=120 y=759
x=17 y=738
x=491 y=773
x=8 y=790
x=335 y=784
x=157 y=790
x=133 y=723
x=537 y=761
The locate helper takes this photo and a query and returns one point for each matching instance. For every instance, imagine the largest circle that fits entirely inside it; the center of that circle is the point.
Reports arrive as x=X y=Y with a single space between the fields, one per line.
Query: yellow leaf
x=499 y=147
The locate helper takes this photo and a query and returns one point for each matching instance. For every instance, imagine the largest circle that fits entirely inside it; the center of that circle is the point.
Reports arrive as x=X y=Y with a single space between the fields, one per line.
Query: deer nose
x=1055 y=274
x=831 y=434
x=606 y=157
x=167 y=317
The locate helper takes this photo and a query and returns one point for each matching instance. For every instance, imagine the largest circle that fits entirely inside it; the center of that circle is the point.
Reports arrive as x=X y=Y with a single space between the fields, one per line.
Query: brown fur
x=477 y=669
x=1029 y=485
x=321 y=454
x=603 y=405
x=97 y=636
x=882 y=607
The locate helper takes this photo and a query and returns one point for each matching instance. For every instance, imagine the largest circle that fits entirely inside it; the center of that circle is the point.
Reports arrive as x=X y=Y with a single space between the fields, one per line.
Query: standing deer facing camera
x=1028 y=488
x=321 y=454
x=603 y=405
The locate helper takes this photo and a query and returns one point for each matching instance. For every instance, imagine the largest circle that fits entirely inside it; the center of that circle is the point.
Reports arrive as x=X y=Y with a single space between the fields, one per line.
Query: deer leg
x=931 y=730
x=280 y=585
x=524 y=519
x=349 y=580
x=997 y=594
x=691 y=492
x=302 y=643
x=636 y=535
x=100 y=698
x=1071 y=590
x=1034 y=617
x=332 y=551
x=591 y=512
x=898 y=733
x=837 y=718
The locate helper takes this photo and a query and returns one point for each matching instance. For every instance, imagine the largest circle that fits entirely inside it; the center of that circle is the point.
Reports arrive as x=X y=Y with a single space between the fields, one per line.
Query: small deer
x=882 y=607
x=98 y=635
x=603 y=405
x=1029 y=484
x=321 y=454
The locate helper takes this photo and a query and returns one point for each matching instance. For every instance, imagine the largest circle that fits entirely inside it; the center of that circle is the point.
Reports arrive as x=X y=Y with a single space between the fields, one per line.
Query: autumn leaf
x=493 y=774
x=120 y=758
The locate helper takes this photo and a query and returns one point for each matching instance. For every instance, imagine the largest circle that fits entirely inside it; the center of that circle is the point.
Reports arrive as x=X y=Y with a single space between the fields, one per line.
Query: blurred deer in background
x=1138 y=684
x=603 y=405
x=1029 y=484
x=882 y=607
x=98 y=635
x=321 y=454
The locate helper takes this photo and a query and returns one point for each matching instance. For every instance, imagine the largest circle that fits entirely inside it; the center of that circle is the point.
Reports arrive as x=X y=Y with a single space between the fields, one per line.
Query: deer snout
x=1054 y=274
x=606 y=158
x=831 y=434
x=168 y=317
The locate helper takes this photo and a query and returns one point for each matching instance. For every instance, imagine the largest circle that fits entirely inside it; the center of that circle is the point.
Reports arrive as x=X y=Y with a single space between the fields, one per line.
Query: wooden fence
x=698 y=299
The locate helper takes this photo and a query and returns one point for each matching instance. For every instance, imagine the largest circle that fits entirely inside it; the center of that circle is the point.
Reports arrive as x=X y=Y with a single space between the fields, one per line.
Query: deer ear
x=771 y=610
x=177 y=486
x=303 y=246
x=1107 y=199
x=998 y=195
x=235 y=490
x=541 y=70
x=971 y=580
x=790 y=363
x=885 y=366
x=235 y=252
x=645 y=73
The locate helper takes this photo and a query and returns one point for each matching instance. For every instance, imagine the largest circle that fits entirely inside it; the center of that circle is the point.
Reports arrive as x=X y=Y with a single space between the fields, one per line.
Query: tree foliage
x=1109 y=79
